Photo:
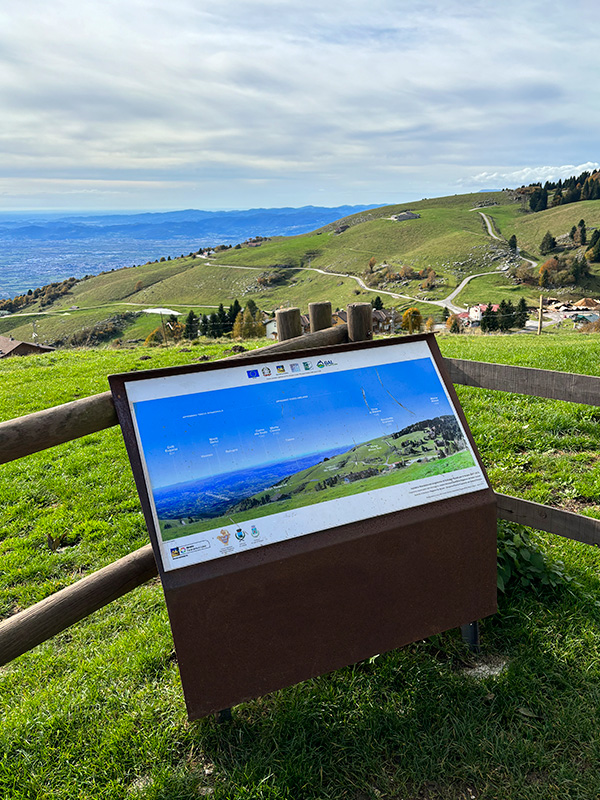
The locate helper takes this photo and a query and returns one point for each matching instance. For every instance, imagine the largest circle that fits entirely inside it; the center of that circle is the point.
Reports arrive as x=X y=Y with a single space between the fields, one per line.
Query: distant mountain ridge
x=222 y=226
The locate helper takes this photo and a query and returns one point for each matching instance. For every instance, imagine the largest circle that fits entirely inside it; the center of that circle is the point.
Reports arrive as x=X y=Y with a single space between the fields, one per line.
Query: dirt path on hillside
x=446 y=302
x=490 y=227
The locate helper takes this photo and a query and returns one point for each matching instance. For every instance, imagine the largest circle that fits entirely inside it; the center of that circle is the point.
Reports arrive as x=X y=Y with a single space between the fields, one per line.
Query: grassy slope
x=530 y=228
x=447 y=231
x=448 y=236
x=97 y=712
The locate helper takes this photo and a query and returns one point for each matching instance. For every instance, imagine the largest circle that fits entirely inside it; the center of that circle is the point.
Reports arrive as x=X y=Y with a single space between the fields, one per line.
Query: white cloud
x=529 y=175
x=264 y=90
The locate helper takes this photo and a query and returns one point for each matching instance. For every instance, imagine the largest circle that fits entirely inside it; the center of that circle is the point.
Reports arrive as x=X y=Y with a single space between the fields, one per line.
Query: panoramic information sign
x=244 y=456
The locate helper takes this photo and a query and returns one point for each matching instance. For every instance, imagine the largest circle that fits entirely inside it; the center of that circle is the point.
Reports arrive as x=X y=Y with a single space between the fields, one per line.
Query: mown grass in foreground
x=98 y=713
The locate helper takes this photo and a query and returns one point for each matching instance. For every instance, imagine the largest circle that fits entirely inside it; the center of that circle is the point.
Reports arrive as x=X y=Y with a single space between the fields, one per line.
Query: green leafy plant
x=520 y=561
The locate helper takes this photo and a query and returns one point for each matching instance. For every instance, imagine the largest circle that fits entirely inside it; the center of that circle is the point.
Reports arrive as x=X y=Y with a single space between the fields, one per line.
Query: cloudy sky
x=162 y=104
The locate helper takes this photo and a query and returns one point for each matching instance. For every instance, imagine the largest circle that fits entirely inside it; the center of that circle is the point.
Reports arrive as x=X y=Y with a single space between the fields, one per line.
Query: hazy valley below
x=37 y=249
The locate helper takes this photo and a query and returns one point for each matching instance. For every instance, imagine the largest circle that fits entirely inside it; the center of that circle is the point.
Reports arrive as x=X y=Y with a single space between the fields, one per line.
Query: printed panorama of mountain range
x=423 y=449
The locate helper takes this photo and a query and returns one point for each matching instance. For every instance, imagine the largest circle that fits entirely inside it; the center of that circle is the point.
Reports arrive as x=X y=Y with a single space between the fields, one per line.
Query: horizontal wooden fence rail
x=526 y=380
x=43 y=429
x=549 y=519
x=32 y=626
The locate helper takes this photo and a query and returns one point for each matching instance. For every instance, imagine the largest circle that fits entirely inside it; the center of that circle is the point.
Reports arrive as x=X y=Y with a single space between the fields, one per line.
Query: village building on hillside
x=402 y=215
x=475 y=312
x=13 y=347
x=585 y=310
x=382 y=320
x=588 y=303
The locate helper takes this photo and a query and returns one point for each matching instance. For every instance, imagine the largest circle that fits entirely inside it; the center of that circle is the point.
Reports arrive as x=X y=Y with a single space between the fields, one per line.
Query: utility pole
x=162 y=322
x=539 y=330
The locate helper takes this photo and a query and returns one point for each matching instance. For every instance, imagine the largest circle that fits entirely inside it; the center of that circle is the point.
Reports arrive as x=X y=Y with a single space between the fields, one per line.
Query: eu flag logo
x=252 y=373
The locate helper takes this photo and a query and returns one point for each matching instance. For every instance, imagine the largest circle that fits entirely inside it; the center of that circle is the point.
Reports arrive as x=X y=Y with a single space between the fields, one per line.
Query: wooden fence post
x=288 y=323
x=320 y=316
x=360 y=322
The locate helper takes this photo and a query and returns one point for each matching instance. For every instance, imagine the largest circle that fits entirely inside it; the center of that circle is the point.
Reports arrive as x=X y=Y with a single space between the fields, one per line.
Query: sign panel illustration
x=242 y=457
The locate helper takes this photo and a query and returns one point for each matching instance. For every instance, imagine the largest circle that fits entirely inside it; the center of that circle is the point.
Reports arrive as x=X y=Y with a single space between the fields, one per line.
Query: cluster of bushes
x=563 y=270
x=45 y=294
x=427 y=275
x=275 y=277
x=255 y=242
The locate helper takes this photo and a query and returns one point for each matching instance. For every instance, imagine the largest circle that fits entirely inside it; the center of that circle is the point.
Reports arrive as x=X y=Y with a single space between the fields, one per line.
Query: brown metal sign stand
x=338 y=554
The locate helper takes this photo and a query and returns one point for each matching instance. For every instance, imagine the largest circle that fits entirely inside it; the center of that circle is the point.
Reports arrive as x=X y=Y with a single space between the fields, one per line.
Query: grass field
x=97 y=712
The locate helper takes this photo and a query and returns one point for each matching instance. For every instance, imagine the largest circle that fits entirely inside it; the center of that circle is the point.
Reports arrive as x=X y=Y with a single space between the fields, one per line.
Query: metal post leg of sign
x=224 y=715
x=470 y=635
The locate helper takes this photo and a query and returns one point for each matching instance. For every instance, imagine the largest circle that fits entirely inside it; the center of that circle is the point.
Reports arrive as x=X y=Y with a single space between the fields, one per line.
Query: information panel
x=244 y=456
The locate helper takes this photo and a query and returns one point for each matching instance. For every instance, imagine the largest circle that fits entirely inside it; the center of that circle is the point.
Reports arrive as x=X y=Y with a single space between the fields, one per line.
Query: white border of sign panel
x=242 y=457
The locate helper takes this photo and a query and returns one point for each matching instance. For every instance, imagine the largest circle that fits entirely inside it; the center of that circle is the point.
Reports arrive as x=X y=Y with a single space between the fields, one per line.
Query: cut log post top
x=319 y=315
x=360 y=322
x=289 y=324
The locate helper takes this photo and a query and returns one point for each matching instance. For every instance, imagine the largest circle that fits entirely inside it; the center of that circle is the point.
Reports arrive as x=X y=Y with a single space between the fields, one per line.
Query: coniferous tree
x=223 y=320
x=204 y=325
x=234 y=310
x=521 y=314
x=190 y=330
x=491 y=318
x=483 y=322
x=259 y=326
x=247 y=324
x=512 y=242
x=237 y=325
x=593 y=240
x=378 y=303
x=251 y=307
x=511 y=315
x=548 y=244
x=539 y=199
x=502 y=317
x=582 y=231
x=214 y=326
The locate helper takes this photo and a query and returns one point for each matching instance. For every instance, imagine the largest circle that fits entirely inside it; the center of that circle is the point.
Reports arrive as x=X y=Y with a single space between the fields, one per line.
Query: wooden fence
x=43 y=429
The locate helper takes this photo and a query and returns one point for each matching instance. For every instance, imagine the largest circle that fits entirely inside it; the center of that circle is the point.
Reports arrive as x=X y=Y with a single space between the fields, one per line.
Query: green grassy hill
x=449 y=237
x=447 y=231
